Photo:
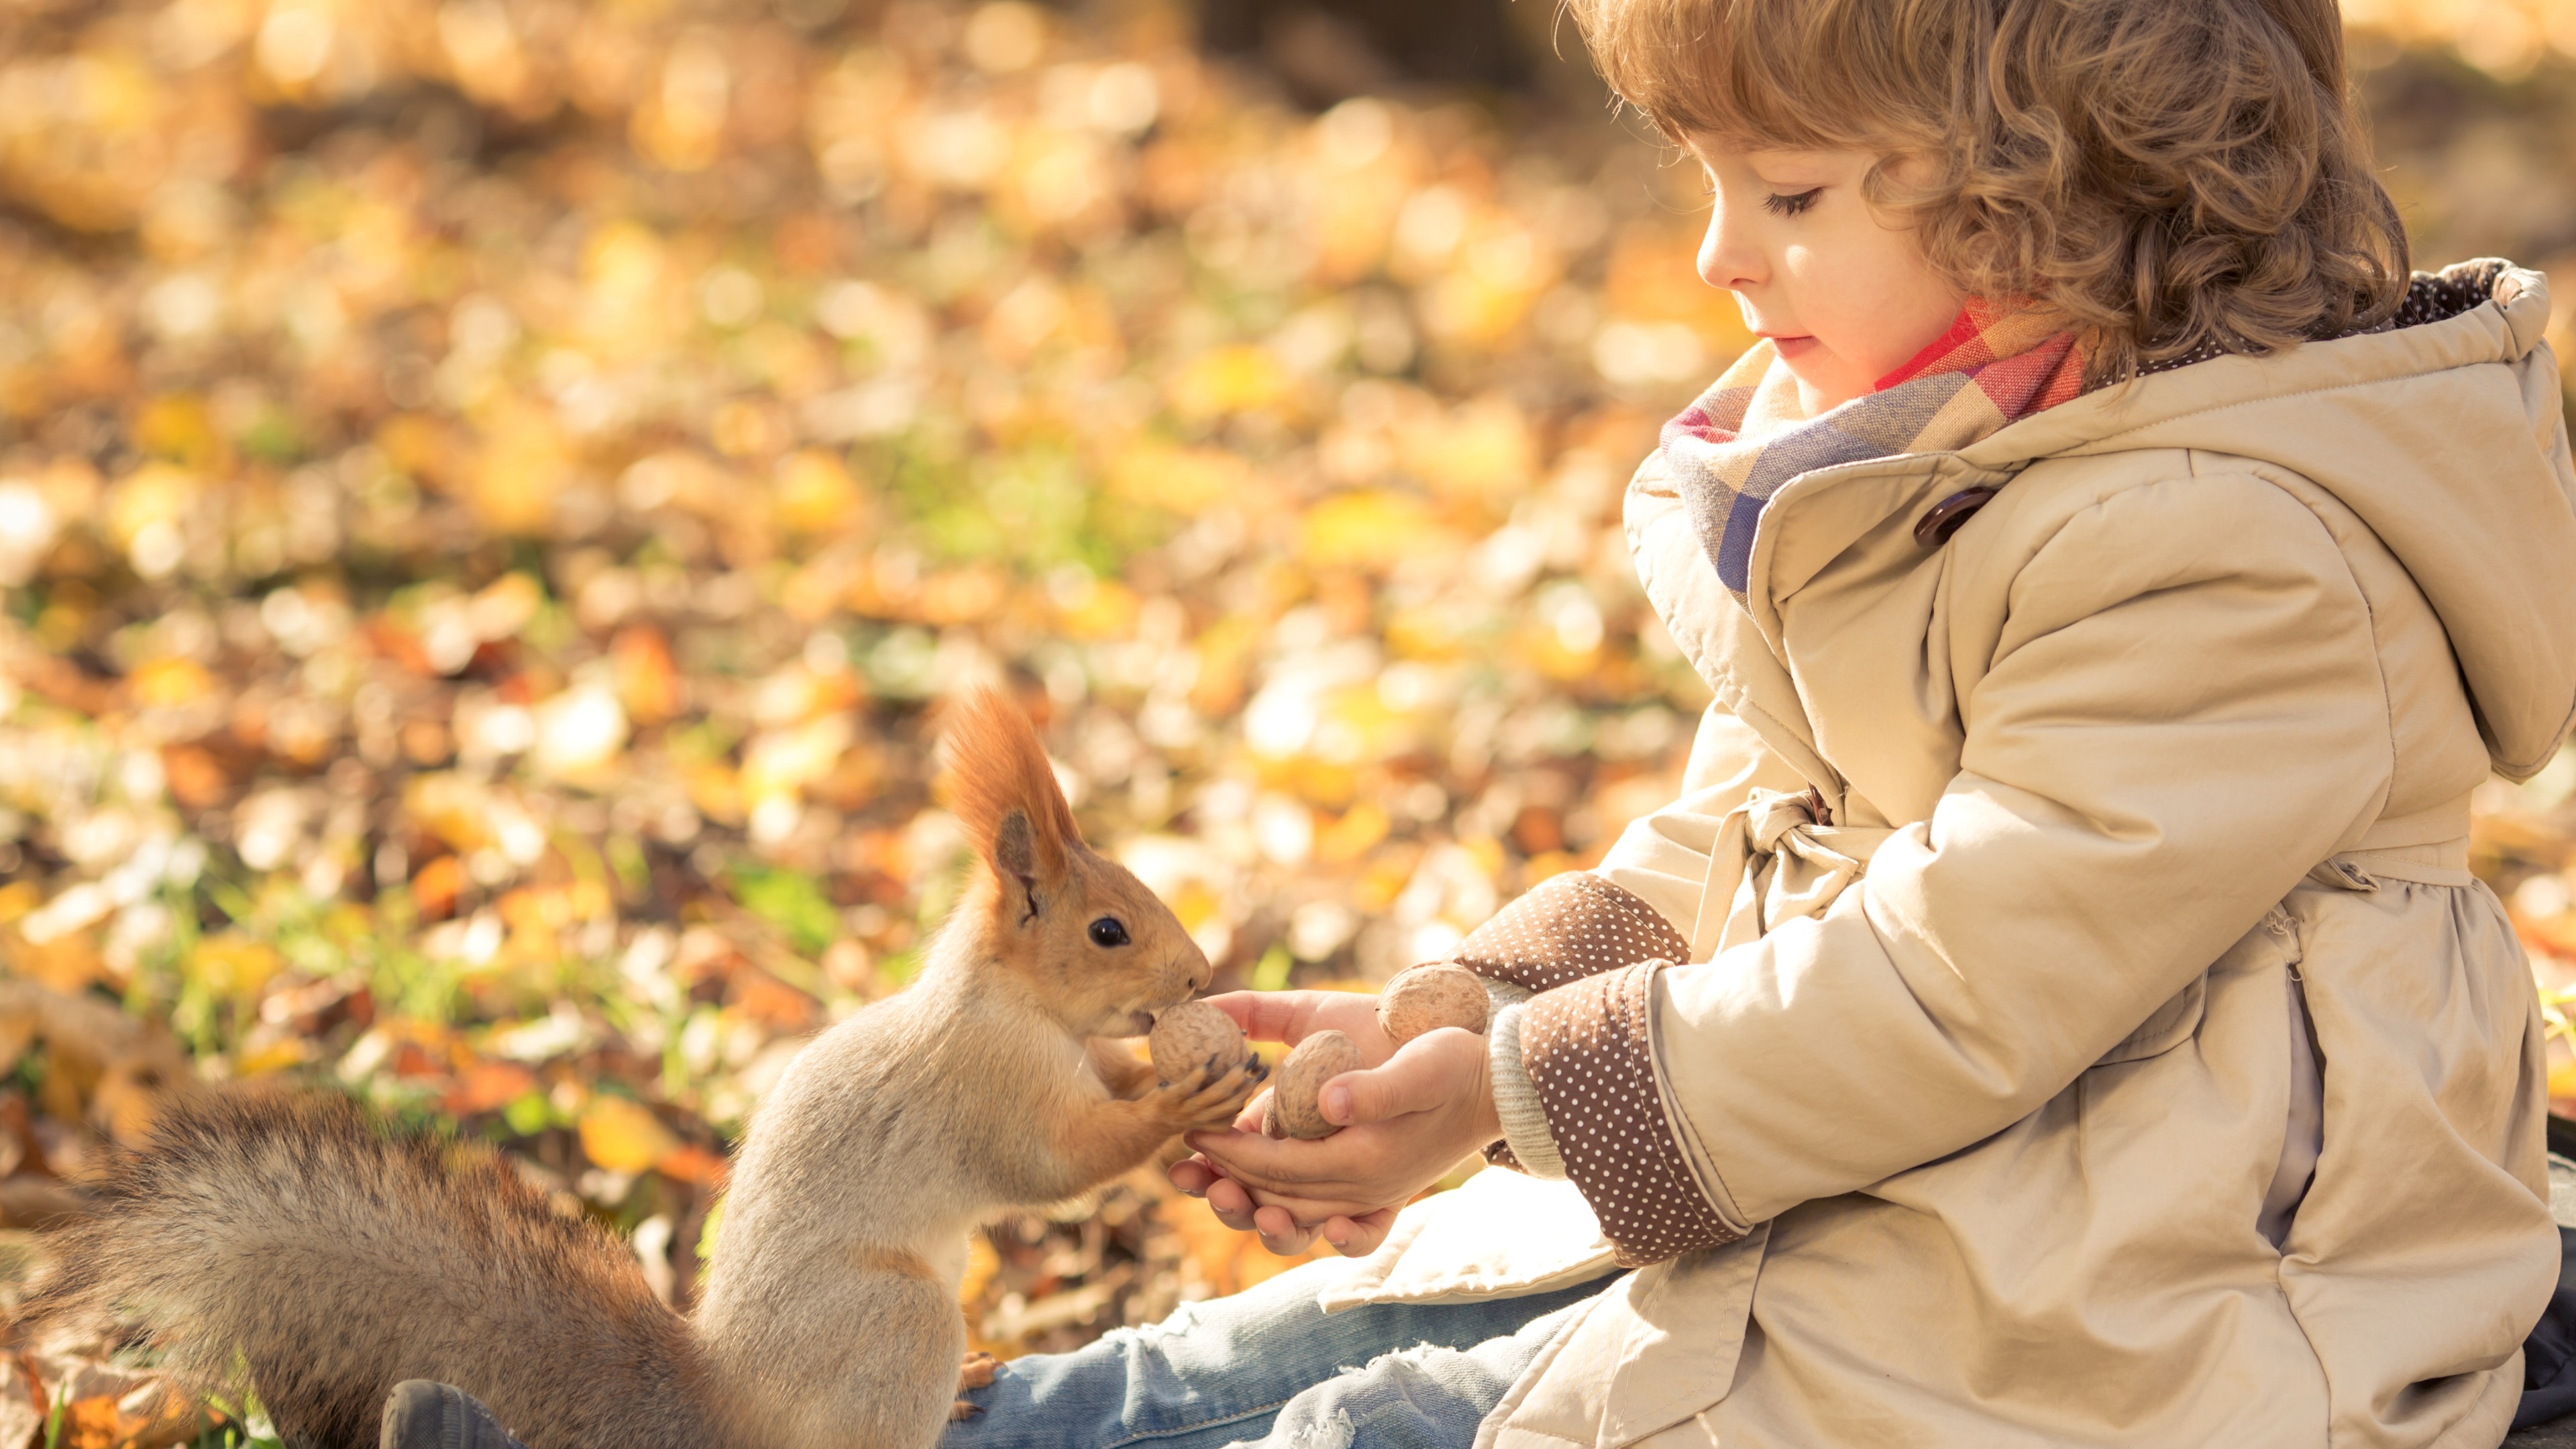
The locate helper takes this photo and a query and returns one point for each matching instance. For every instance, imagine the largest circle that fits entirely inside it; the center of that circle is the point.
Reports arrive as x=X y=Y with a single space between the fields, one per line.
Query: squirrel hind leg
x=867 y=1354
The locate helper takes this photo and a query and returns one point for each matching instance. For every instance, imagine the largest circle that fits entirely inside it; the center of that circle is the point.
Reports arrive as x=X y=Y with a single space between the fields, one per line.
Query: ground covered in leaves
x=488 y=490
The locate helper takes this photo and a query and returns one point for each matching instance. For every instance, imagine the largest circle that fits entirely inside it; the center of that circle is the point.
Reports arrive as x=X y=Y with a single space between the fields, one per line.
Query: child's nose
x=1725 y=258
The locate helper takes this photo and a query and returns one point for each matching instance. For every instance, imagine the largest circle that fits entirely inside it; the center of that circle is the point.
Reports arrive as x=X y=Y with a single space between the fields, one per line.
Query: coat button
x=1942 y=519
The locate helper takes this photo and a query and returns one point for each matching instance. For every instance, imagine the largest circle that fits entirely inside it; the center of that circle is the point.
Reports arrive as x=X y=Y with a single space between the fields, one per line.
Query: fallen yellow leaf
x=277 y=1056
x=1182 y=480
x=235 y=964
x=815 y=492
x=166 y=683
x=623 y=1135
x=1227 y=380
x=1368 y=529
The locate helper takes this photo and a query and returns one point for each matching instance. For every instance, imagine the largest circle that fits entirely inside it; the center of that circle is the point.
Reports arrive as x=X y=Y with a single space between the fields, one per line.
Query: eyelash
x=1779 y=205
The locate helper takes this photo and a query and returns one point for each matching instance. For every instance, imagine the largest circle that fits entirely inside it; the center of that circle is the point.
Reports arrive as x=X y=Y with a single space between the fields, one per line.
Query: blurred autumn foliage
x=490 y=488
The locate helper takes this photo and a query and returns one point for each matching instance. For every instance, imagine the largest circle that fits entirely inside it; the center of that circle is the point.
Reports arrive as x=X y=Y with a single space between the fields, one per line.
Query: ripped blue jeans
x=1269 y=1368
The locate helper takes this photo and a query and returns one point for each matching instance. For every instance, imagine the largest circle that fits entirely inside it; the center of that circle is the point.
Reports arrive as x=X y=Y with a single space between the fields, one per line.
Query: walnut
x=1195 y=1035
x=1426 y=998
x=1317 y=1060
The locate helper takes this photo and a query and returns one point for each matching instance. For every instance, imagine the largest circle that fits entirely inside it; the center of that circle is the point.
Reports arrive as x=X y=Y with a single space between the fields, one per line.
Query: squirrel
x=281 y=1234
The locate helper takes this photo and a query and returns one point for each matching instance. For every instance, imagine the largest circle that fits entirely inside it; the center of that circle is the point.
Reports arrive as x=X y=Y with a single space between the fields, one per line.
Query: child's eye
x=1779 y=205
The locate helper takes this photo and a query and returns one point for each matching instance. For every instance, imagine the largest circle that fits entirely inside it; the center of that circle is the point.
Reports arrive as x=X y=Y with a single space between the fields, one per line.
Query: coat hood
x=2445 y=433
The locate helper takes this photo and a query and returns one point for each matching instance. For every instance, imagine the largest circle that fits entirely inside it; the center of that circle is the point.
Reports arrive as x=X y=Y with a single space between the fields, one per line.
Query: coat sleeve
x=2184 y=713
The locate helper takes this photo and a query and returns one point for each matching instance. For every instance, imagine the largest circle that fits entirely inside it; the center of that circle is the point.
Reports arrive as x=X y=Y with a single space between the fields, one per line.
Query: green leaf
x=790 y=900
x=528 y=1114
x=1271 y=972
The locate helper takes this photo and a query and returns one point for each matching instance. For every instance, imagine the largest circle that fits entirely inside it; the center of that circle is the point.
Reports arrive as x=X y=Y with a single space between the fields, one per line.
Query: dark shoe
x=423 y=1415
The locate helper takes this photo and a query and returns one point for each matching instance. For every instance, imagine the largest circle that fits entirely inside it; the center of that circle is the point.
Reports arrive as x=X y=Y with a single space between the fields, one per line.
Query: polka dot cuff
x=1585 y=1048
x=1566 y=928
x=1562 y=930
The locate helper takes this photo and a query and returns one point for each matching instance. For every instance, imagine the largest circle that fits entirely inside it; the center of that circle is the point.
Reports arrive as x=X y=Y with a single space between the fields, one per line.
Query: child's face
x=1846 y=298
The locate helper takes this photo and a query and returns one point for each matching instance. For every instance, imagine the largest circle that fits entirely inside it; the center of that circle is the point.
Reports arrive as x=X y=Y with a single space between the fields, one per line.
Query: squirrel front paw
x=1208 y=1099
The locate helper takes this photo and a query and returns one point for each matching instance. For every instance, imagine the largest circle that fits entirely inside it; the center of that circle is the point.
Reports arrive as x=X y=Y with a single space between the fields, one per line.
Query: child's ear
x=1007 y=798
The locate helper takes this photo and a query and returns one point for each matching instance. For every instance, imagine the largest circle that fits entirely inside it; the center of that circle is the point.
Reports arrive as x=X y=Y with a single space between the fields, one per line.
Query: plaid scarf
x=1732 y=449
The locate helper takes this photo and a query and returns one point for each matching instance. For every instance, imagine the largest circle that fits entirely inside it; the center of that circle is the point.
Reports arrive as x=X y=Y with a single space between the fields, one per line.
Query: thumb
x=1410 y=1081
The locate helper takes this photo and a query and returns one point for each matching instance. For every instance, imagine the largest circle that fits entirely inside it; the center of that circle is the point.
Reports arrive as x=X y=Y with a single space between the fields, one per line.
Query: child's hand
x=1289 y=1017
x=1404 y=1124
x=1237 y=1207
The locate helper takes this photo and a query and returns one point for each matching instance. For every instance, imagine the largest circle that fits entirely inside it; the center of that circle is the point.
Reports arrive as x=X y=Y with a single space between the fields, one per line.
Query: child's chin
x=1822 y=385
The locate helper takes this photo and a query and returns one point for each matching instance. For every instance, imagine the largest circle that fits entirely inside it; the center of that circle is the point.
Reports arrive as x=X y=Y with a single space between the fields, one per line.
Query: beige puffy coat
x=2156 y=777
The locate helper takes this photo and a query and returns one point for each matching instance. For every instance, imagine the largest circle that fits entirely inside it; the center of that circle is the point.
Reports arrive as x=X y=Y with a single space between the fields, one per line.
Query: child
x=2058 y=1010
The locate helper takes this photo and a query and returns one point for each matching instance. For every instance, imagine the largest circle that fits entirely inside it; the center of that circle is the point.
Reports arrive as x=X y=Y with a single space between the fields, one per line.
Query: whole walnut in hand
x=1426 y=998
x=1293 y=1110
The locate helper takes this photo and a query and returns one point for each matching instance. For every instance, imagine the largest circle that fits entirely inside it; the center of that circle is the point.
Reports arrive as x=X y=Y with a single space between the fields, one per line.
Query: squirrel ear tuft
x=1005 y=791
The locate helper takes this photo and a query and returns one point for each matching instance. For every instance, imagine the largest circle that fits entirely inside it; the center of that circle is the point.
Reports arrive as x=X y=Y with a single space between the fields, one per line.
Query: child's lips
x=1792 y=348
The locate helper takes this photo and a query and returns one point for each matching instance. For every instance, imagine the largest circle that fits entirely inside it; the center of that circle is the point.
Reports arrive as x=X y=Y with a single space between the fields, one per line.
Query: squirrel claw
x=961 y=1411
x=1214 y=1101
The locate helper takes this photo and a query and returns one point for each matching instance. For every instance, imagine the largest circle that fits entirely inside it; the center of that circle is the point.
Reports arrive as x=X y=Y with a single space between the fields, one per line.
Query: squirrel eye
x=1108 y=931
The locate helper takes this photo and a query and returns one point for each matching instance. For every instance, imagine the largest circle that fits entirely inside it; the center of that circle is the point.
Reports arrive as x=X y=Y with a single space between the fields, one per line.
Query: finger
x=1360 y=1181
x=1232 y=1203
x=1316 y=1211
x=1421 y=1075
x=1191 y=1176
x=1280 y=1016
x=1263 y=1161
x=1280 y=1232
x=1360 y=1236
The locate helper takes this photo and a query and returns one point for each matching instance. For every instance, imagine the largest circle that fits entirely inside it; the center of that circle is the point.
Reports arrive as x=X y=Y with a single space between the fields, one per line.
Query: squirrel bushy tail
x=336 y=1262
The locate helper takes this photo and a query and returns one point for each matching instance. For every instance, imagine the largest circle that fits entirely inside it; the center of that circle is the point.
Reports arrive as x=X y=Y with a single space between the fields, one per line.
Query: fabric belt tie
x=2443 y=863
x=1777 y=859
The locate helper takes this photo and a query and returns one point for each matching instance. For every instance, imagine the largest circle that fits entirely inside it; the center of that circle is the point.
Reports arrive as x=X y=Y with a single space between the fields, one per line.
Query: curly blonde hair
x=2179 y=177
